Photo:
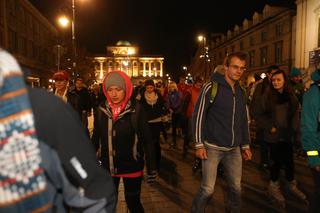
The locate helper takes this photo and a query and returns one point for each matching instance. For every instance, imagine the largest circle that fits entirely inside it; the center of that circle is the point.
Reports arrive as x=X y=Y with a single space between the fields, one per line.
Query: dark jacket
x=124 y=152
x=279 y=111
x=255 y=105
x=154 y=111
x=59 y=127
x=310 y=124
x=224 y=122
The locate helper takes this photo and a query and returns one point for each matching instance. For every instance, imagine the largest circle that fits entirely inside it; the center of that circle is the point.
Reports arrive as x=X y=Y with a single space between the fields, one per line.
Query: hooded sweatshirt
x=222 y=124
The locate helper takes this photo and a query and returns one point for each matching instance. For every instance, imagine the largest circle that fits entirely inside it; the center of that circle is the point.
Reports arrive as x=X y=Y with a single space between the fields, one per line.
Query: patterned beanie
x=22 y=180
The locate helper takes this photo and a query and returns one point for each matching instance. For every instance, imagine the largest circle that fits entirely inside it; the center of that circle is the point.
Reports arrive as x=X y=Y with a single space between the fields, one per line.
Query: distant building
x=307 y=51
x=267 y=37
x=26 y=34
x=124 y=56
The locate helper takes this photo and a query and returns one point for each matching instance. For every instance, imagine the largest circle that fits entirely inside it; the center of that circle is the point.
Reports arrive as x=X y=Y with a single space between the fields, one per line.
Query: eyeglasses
x=236 y=67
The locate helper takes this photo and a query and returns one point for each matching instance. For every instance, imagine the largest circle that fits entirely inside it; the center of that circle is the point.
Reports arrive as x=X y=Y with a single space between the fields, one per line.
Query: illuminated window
x=278 y=52
x=279 y=29
x=263 y=36
x=241 y=45
x=251 y=41
x=252 y=58
x=263 y=55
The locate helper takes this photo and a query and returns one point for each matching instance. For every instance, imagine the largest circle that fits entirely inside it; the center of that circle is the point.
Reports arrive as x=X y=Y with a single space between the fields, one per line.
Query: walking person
x=174 y=104
x=280 y=120
x=155 y=109
x=256 y=112
x=85 y=102
x=310 y=130
x=221 y=133
x=190 y=100
x=123 y=133
x=61 y=90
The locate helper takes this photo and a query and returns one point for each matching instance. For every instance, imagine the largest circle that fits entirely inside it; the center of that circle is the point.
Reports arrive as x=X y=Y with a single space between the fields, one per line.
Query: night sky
x=158 y=27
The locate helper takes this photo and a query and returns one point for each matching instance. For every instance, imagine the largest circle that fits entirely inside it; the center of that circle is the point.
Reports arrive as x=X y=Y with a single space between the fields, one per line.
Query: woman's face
x=278 y=81
x=149 y=88
x=116 y=94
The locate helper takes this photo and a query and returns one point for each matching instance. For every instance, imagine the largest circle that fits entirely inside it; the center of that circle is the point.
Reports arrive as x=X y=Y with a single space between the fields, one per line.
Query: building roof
x=123 y=43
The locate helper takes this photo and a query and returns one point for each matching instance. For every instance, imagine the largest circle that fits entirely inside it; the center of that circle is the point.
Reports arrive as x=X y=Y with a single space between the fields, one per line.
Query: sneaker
x=274 y=191
x=295 y=191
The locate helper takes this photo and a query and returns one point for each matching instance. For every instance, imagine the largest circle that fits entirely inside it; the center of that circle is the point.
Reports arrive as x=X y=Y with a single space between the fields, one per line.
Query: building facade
x=307 y=51
x=267 y=37
x=26 y=34
x=125 y=57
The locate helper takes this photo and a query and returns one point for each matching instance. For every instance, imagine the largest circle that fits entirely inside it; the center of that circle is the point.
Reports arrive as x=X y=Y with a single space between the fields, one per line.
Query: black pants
x=281 y=154
x=178 y=120
x=155 y=131
x=132 y=190
x=264 y=149
x=315 y=199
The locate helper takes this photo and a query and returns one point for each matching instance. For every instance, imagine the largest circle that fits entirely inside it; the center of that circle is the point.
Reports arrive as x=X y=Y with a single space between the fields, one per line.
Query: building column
x=144 y=69
x=161 y=68
x=150 y=74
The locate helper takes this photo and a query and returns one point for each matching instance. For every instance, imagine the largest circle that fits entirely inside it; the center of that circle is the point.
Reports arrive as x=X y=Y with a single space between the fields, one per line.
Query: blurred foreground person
x=310 y=130
x=124 y=136
x=40 y=169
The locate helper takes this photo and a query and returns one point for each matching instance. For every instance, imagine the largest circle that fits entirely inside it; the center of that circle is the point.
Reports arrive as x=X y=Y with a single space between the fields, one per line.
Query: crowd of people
x=77 y=169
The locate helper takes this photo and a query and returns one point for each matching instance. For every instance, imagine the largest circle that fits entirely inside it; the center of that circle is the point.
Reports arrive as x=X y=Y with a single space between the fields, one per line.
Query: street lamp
x=64 y=22
x=204 y=53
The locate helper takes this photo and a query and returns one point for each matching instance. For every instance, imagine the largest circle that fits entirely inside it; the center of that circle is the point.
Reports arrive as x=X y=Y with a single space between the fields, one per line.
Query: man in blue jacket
x=220 y=128
x=310 y=130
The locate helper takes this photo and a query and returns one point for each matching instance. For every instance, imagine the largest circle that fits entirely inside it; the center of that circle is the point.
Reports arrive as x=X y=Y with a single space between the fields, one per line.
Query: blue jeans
x=232 y=164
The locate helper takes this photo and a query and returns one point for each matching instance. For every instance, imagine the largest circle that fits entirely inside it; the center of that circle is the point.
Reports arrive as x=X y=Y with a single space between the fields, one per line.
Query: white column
x=150 y=74
x=161 y=68
x=144 y=69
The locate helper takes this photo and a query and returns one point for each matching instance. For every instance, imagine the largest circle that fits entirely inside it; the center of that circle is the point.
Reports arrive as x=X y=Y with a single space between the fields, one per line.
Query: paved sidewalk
x=176 y=187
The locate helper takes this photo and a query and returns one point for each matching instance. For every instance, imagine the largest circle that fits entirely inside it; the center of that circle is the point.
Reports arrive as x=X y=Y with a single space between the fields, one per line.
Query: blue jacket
x=224 y=122
x=309 y=125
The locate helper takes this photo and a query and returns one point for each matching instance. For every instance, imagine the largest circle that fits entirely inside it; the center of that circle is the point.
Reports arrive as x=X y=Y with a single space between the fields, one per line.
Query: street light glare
x=200 y=38
x=63 y=21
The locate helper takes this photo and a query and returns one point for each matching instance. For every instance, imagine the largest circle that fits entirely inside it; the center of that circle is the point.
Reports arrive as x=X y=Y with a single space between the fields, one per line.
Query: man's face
x=235 y=69
x=61 y=84
x=296 y=79
x=78 y=84
x=116 y=94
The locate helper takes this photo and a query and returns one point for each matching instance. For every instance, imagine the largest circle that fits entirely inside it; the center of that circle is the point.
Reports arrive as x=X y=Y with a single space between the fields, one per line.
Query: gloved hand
x=151 y=177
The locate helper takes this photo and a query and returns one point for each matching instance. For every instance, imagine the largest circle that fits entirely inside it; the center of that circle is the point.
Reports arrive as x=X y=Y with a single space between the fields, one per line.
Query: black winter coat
x=129 y=139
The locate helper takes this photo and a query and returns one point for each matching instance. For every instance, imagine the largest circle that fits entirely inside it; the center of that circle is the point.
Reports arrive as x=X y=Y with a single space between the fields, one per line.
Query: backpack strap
x=214 y=90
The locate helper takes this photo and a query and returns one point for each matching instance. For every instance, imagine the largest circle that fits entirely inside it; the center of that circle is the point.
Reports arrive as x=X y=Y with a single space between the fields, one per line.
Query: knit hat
x=315 y=76
x=23 y=182
x=149 y=82
x=295 y=72
x=114 y=79
x=61 y=75
x=121 y=79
